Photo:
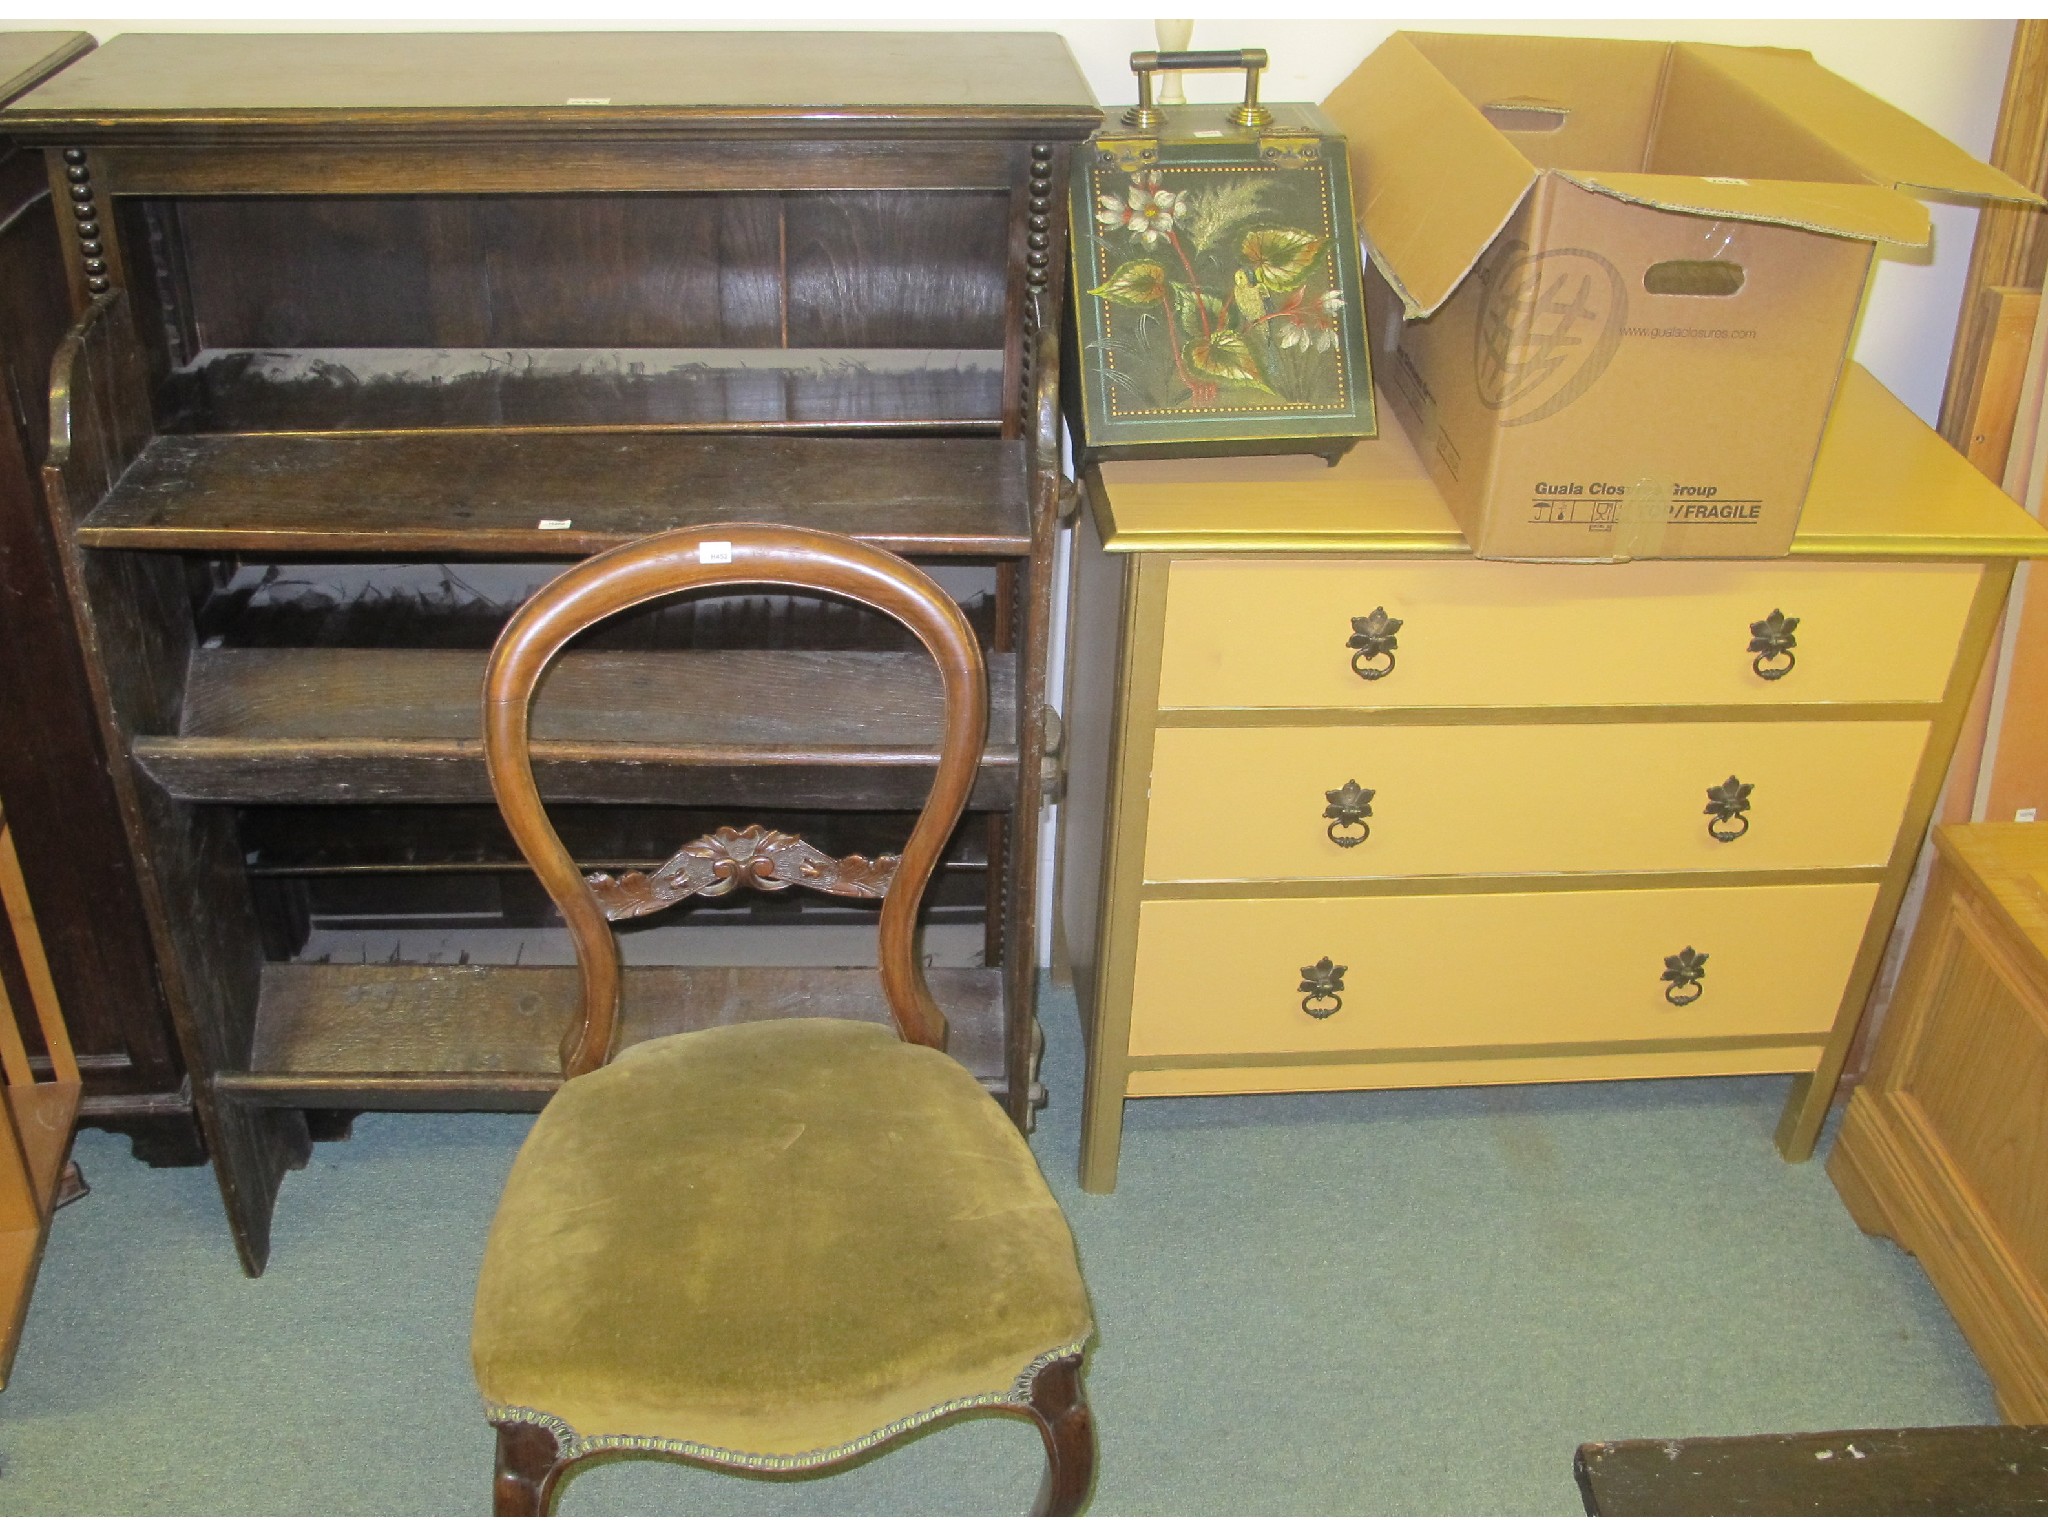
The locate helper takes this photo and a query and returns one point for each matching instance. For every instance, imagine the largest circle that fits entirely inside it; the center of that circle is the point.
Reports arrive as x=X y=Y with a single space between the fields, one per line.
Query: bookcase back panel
x=849 y=269
x=658 y=309
x=463 y=605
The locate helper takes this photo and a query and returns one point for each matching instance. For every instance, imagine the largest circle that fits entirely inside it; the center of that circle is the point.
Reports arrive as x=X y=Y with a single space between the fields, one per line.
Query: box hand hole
x=1695 y=279
x=1524 y=116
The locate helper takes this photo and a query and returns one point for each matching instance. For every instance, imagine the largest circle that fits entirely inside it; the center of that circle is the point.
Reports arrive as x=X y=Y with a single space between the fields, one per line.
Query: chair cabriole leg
x=526 y=1466
x=1068 y=1428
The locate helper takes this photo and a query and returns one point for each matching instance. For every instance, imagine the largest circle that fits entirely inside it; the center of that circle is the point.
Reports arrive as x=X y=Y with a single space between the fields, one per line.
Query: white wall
x=1949 y=74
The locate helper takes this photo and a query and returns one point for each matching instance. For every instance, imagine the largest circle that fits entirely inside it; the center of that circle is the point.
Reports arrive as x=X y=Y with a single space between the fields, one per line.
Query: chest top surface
x=170 y=85
x=1885 y=486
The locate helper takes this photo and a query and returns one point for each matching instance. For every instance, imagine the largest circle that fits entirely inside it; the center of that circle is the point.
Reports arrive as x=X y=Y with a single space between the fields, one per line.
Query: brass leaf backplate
x=1347 y=812
x=1771 y=638
x=751 y=856
x=1727 y=809
x=1684 y=974
x=1373 y=639
x=1320 y=984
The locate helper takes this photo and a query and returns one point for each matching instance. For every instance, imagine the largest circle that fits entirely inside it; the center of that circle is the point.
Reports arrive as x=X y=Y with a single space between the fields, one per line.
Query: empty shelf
x=488 y=1037
x=852 y=730
x=495 y=493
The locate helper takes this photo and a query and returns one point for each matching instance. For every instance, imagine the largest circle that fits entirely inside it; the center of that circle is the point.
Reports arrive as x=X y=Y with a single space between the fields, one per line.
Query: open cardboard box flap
x=1449 y=133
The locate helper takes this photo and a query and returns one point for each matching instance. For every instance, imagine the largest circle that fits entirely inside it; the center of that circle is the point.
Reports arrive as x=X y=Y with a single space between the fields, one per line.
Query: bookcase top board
x=25 y=57
x=175 y=84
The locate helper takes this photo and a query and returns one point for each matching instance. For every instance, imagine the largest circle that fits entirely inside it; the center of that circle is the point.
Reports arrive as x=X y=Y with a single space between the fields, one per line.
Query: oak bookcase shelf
x=824 y=728
x=486 y=1036
x=548 y=495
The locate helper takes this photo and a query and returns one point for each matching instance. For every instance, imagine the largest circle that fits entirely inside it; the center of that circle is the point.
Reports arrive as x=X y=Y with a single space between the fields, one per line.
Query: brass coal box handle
x=1685 y=974
x=1251 y=60
x=1373 y=639
x=1770 y=638
x=1348 y=808
x=1727 y=809
x=1320 y=984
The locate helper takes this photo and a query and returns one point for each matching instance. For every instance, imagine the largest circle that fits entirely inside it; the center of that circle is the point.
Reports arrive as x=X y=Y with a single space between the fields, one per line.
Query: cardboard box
x=1614 y=282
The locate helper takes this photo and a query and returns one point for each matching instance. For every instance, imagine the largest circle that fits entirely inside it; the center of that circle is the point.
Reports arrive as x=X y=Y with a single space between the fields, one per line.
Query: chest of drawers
x=1350 y=809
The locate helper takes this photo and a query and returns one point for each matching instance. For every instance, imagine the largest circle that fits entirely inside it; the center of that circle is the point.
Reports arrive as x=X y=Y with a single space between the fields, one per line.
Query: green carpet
x=1394 y=1303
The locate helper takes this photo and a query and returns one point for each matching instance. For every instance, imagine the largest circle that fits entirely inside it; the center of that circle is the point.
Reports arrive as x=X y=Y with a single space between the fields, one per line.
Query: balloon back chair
x=770 y=1246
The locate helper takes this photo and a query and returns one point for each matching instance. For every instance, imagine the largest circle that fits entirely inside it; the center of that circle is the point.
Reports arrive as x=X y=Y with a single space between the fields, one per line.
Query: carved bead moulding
x=85 y=218
x=1038 y=242
x=752 y=856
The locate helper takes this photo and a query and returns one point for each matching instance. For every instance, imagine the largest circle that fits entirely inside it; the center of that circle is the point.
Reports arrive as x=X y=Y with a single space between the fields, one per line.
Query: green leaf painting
x=1234 y=286
x=1140 y=284
x=1280 y=259
x=1227 y=356
x=1197 y=312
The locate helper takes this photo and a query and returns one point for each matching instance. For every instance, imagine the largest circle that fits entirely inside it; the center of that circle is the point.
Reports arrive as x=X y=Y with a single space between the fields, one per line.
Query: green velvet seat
x=767 y=1244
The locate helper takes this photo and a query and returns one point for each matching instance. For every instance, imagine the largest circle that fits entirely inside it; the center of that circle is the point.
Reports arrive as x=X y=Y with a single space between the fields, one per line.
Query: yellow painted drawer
x=1250 y=803
x=1276 y=632
x=1520 y=971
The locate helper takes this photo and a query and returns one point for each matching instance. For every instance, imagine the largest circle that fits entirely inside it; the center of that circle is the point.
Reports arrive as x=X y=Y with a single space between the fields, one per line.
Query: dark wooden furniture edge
x=1972 y=1469
x=68 y=827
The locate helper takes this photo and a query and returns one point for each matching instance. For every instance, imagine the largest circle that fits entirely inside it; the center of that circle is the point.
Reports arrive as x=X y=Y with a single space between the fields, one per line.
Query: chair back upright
x=696 y=560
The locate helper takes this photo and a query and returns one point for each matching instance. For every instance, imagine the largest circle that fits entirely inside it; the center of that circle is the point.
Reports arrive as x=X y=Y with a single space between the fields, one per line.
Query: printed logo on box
x=1549 y=324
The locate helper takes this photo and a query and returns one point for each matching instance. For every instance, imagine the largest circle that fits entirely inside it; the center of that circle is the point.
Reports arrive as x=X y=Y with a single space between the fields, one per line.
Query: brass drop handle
x=1728 y=809
x=1320 y=984
x=1770 y=639
x=1251 y=60
x=1685 y=974
x=1372 y=639
x=1348 y=807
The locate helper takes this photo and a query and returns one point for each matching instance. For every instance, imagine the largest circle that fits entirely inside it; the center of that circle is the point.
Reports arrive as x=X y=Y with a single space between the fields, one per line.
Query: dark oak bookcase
x=372 y=333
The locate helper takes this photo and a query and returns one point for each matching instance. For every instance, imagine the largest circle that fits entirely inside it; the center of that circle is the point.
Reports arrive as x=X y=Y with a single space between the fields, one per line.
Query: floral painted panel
x=1218 y=291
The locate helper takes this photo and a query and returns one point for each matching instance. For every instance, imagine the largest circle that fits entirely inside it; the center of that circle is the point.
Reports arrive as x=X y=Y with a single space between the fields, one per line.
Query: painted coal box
x=1217 y=301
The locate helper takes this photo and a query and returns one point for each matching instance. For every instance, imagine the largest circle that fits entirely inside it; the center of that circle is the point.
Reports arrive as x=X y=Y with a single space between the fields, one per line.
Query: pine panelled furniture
x=1348 y=808
x=68 y=825
x=1945 y=1144
x=773 y=1246
x=38 y=1100
x=373 y=334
